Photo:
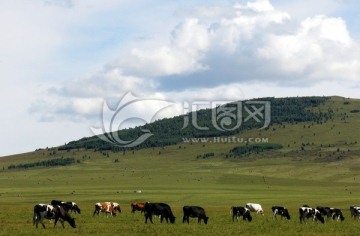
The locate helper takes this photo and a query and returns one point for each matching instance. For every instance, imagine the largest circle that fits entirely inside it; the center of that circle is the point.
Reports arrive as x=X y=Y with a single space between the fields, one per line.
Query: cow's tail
x=36 y=217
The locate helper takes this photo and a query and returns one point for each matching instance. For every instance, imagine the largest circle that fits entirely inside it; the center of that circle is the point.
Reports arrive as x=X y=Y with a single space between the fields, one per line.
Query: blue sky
x=61 y=59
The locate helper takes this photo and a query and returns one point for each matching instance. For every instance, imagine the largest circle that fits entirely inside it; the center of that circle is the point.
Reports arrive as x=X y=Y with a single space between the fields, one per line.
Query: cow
x=355 y=212
x=238 y=211
x=162 y=209
x=46 y=211
x=194 y=211
x=107 y=207
x=282 y=211
x=255 y=207
x=325 y=211
x=308 y=212
x=336 y=214
x=137 y=206
x=331 y=213
x=68 y=206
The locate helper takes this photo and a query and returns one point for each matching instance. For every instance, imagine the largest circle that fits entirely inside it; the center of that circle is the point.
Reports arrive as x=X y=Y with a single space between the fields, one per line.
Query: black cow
x=355 y=212
x=337 y=214
x=325 y=211
x=161 y=209
x=45 y=211
x=282 y=211
x=308 y=212
x=238 y=211
x=194 y=211
x=68 y=206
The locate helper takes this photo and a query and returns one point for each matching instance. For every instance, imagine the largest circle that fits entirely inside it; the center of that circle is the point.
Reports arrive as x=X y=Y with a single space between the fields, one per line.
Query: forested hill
x=230 y=119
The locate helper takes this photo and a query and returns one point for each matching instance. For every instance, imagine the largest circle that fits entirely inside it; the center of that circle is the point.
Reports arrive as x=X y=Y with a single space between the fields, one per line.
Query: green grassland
x=318 y=165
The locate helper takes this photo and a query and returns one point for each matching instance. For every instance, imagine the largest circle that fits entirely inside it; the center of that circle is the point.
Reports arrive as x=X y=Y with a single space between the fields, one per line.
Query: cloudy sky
x=62 y=61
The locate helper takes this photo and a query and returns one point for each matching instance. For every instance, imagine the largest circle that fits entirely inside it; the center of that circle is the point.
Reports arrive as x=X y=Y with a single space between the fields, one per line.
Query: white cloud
x=251 y=42
x=320 y=49
x=183 y=54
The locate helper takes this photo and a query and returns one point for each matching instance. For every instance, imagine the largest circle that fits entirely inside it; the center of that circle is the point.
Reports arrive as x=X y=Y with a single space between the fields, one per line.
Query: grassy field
x=319 y=165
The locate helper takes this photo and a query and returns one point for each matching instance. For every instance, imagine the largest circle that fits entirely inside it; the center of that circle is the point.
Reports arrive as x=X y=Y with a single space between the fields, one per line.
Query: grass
x=290 y=177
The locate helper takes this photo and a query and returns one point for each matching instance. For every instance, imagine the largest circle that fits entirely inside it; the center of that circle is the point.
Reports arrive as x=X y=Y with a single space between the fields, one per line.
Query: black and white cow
x=355 y=212
x=238 y=211
x=282 y=211
x=68 y=206
x=337 y=214
x=308 y=212
x=194 y=211
x=46 y=211
x=255 y=207
x=161 y=209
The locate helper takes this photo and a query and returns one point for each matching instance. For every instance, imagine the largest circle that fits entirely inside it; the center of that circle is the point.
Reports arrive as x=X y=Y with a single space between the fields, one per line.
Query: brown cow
x=107 y=207
x=137 y=206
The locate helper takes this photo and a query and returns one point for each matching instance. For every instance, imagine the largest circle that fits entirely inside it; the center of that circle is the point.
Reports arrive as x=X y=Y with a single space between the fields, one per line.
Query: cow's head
x=247 y=216
x=319 y=217
x=172 y=219
x=206 y=219
x=117 y=208
x=72 y=222
x=76 y=208
x=286 y=214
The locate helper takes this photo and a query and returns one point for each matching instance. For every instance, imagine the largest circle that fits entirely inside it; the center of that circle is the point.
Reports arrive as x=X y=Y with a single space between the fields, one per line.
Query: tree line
x=170 y=131
x=53 y=162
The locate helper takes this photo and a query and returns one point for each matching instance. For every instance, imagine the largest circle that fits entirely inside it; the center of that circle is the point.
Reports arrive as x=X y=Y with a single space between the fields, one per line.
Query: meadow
x=318 y=166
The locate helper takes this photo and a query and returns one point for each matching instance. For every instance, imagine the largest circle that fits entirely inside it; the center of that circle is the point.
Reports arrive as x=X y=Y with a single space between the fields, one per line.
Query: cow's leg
x=62 y=222
x=147 y=216
x=42 y=223
x=184 y=218
x=199 y=220
x=274 y=214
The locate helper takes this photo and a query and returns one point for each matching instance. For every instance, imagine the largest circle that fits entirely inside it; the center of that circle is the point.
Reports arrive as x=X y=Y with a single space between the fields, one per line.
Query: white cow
x=255 y=207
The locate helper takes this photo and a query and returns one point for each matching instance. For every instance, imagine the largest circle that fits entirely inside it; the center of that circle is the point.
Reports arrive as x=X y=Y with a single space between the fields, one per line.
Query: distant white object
x=137 y=191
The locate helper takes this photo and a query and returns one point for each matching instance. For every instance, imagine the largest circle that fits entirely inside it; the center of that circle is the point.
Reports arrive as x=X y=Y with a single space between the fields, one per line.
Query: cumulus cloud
x=213 y=52
x=320 y=49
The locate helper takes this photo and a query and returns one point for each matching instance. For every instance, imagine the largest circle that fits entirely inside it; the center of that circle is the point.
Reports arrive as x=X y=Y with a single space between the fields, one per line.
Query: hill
x=230 y=119
x=312 y=127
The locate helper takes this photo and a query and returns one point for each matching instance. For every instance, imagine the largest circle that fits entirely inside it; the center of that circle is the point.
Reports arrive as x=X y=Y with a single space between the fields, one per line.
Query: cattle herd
x=59 y=211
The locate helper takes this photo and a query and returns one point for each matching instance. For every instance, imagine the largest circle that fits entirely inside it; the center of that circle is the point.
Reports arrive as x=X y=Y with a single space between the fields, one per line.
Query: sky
x=63 y=62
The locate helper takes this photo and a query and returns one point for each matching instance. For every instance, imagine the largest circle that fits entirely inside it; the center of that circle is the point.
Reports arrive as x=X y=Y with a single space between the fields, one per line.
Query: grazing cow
x=331 y=213
x=137 y=206
x=72 y=206
x=255 y=207
x=161 y=209
x=325 y=211
x=194 y=211
x=282 y=211
x=336 y=214
x=308 y=212
x=355 y=212
x=238 y=211
x=46 y=211
x=107 y=207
